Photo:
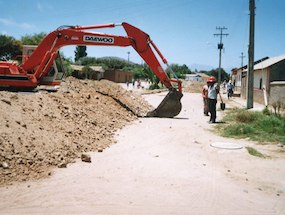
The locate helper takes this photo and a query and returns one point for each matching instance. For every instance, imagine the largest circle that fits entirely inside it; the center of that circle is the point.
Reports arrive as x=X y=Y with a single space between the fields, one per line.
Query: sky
x=183 y=30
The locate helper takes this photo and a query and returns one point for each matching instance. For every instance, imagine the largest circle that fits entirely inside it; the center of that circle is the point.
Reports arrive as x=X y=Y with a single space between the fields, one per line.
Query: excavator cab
x=55 y=74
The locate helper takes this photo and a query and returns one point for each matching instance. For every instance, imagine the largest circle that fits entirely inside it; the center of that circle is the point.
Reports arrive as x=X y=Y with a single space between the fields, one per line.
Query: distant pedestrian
x=230 y=89
x=205 y=99
x=213 y=91
x=139 y=84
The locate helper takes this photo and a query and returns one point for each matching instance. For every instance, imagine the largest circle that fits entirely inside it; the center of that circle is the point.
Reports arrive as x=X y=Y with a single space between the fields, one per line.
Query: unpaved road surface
x=160 y=166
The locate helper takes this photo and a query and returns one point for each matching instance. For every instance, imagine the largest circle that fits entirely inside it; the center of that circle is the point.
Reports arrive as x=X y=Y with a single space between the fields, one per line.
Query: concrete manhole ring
x=226 y=145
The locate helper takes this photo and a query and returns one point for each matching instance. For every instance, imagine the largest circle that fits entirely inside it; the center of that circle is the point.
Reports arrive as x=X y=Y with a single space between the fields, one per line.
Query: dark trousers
x=230 y=93
x=212 y=109
x=206 y=106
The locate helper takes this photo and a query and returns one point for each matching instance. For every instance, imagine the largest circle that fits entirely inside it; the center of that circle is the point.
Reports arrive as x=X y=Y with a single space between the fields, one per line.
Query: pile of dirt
x=193 y=86
x=42 y=130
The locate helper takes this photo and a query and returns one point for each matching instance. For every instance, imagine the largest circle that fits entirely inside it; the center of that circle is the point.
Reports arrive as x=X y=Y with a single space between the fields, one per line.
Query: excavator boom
x=36 y=67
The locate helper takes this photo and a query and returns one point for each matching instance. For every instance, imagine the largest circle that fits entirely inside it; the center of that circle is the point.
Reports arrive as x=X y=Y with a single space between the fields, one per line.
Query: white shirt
x=212 y=92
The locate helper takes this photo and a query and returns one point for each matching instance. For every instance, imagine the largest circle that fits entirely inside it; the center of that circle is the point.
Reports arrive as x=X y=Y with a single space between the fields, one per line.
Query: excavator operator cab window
x=56 y=72
x=60 y=68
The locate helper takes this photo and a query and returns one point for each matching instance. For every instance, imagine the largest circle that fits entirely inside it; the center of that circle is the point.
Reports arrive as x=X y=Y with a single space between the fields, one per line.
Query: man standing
x=213 y=91
x=205 y=99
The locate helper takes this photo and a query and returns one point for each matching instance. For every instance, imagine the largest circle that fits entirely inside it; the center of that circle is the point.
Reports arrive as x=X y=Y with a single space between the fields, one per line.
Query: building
x=96 y=73
x=204 y=76
x=118 y=76
x=193 y=77
x=238 y=77
x=269 y=79
x=196 y=77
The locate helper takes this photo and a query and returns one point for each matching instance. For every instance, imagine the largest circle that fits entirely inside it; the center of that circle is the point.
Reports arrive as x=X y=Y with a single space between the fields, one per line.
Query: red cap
x=211 y=79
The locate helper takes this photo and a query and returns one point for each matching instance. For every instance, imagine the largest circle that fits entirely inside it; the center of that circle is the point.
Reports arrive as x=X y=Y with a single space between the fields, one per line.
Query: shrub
x=254 y=125
x=272 y=125
x=238 y=130
x=246 y=116
x=266 y=111
x=154 y=86
x=254 y=152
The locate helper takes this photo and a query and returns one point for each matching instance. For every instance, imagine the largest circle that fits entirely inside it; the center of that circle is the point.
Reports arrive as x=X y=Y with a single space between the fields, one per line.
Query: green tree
x=150 y=75
x=108 y=62
x=80 y=52
x=215 y=73
x=9 y=47
x=88 y=61
x=179 y=70
x=66 y=64
x=34 y=39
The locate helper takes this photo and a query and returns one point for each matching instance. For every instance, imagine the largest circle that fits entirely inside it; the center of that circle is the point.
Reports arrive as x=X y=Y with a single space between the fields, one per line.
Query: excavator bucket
x=169 y=107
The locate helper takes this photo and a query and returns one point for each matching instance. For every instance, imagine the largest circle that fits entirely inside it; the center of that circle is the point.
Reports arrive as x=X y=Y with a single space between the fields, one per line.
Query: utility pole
x=250 y=67
x=128 y=57
x=220 y=47
x=242 y=57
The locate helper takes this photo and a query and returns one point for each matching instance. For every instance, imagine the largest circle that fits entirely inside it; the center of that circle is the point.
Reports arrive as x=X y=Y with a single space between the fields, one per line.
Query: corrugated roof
x=203 y=75
x=269 y=62
x=193 y=75
x=95 y=68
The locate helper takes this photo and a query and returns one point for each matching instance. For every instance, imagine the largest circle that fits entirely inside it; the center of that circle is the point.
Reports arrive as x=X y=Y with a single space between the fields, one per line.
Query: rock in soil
x=86 y=158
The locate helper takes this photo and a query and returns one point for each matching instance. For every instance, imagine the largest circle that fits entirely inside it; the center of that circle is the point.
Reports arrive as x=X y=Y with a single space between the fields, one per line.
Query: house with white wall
x=267 y=72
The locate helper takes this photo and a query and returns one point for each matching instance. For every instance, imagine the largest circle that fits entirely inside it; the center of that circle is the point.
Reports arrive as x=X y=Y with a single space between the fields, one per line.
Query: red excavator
x=42 y=66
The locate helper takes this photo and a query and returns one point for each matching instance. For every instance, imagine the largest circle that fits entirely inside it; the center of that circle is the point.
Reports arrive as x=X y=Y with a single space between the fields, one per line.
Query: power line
x=220 y=47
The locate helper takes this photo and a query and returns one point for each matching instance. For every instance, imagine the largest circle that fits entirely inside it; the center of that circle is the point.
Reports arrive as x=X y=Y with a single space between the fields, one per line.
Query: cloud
x=41 y=7
x=10 y=22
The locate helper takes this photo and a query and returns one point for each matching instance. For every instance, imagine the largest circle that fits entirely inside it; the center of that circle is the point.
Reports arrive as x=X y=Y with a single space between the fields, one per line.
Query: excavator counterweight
x=39 y=67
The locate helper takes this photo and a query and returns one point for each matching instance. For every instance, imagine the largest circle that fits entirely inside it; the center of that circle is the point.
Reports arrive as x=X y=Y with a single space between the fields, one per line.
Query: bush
x=154 y=86
x=246 y=116
x=254 y=125
x=266 y=111
x=272 y=124
x=238 y=130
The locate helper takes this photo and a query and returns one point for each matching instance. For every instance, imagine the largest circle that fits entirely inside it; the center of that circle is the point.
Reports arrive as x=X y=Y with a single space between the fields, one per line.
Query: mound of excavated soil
x=193 y=86
x=42 y=130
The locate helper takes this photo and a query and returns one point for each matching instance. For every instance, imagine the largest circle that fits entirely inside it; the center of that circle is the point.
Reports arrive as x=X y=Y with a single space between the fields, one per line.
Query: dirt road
x=160 y=166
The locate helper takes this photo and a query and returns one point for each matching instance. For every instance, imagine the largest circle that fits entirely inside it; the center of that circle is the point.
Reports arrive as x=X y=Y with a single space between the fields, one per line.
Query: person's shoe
x=212 y=121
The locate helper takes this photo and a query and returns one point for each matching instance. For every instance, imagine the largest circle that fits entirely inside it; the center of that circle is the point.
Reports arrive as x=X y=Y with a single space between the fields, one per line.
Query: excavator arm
x=36 y=67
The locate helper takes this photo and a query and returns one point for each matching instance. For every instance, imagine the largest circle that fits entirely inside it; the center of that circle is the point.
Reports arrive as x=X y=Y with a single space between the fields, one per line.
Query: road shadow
x=185 y=118
x=219 y=122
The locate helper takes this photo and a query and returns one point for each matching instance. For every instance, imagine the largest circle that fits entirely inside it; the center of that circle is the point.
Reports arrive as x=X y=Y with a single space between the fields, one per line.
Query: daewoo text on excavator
x=41 y=67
